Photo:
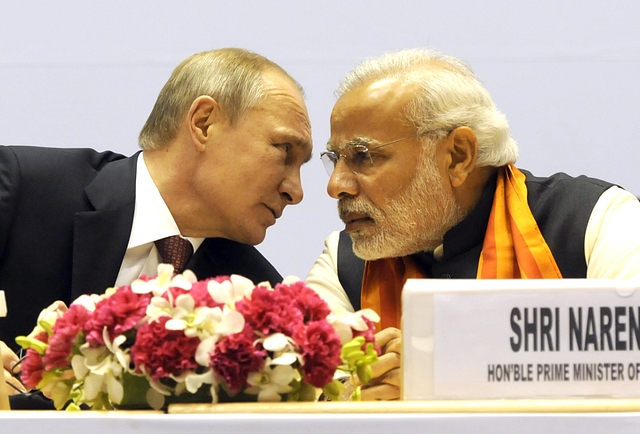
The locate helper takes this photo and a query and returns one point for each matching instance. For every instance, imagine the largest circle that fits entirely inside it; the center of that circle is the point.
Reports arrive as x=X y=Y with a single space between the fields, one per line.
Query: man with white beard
x=421 y=162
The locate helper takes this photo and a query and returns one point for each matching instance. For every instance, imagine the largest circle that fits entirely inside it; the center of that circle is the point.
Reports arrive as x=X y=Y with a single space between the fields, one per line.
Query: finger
x=382 y=392
x=379 y=369
x=392 y=377
x=393 y=346
x=9 y=358
x=385 y=363
x=18 y=387
x=384 y=336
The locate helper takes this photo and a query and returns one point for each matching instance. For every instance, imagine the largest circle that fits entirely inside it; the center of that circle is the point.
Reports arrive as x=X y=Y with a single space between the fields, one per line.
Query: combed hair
x=449 y=96
x=231 y=76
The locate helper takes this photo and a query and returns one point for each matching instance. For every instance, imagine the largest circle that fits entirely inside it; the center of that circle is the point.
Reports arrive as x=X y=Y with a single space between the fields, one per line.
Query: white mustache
x=346 y=206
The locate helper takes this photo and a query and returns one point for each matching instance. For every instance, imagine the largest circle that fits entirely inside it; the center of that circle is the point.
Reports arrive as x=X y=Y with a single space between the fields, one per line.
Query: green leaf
x=333 y=390
x=307 y=392
x=358 y=360
x=135 y=391
x=357 y=394
x=73 y=407
x=365 y=373
x=26 y=342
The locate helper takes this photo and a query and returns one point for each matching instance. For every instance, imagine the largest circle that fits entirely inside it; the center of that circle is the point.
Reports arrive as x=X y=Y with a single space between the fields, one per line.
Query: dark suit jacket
x=65 y=221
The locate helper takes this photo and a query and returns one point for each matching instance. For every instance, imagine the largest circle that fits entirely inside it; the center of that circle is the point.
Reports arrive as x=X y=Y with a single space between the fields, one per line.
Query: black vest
x=560 y=204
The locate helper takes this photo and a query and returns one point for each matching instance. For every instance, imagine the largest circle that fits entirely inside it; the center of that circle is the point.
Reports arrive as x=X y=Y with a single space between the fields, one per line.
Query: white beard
x=415 y=220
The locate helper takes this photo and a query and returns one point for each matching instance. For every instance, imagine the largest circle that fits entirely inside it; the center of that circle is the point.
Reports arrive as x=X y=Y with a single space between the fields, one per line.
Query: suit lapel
x=222 y=257
x=101 y=236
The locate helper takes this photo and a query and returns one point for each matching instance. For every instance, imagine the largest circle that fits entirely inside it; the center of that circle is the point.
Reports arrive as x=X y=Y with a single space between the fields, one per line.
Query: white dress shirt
x=152 y=221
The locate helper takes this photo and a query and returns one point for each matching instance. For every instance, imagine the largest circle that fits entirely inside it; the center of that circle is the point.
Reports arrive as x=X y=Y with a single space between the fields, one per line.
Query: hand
x=9 y=359
x=385 y=384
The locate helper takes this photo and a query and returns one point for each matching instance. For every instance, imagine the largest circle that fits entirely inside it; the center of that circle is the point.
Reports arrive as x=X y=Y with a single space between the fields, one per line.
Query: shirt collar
x=152 y=219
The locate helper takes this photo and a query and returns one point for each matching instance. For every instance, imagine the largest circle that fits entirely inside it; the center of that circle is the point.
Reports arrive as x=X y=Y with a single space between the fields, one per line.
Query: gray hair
x=231 y=76
x=449 y=95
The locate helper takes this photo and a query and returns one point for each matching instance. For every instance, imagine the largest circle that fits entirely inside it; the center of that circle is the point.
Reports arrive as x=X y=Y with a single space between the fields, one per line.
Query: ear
x=203 y=114
x=462 y=147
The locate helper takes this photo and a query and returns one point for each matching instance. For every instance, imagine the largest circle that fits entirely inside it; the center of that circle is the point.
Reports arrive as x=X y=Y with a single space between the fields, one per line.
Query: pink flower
x=235 y=357
x=119 y=313
x=65 y=334
x=270 y=312
x=163 y=352
x=306 y=300
x=252 y=339
x=368 y=335
x=32 y=365
x=321 y=347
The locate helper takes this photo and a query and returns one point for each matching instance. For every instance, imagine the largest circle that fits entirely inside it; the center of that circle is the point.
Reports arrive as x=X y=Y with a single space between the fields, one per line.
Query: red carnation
x=163 y=352
x=306 y=300
x=32 y=365
x=270 y=312
x=321 y=347
x=235 y=357
x=65 y=333
x=119 y=313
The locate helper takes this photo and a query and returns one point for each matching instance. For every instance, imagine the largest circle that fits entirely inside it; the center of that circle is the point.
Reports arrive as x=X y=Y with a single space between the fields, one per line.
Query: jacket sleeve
x=9 y=192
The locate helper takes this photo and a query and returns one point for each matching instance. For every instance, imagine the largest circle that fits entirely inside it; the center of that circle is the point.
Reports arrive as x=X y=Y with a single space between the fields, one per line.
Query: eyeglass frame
x=326 y=155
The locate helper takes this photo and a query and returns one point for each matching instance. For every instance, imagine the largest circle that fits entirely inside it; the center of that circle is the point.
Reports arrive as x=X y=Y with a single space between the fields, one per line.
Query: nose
x=291 y=188
x=342 y=181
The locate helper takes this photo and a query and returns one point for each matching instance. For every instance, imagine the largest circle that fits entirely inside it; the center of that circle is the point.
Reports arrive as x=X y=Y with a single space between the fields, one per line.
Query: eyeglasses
x=357 y=155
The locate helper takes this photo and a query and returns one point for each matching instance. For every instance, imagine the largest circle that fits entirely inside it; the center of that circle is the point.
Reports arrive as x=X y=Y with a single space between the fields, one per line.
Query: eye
x=284 y=150
x=330 y=156
x=359 y=156
x=286 y=147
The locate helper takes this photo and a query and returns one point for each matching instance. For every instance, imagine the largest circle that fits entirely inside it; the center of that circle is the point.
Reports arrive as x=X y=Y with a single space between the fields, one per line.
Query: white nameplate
x=483 y=339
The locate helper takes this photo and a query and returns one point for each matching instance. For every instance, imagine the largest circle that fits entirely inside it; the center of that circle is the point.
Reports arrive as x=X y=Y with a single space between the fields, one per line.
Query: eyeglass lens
x=357 y=158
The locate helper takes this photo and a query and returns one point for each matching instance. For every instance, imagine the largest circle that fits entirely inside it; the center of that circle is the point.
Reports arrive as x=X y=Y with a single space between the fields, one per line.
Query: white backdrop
x=80 y=73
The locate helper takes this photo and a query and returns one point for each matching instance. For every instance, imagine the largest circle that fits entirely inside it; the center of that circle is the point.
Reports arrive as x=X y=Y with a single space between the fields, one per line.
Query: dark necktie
x=174 y=250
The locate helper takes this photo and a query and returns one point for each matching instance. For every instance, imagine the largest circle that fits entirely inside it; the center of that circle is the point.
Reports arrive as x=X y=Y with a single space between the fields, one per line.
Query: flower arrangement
x=173 y=338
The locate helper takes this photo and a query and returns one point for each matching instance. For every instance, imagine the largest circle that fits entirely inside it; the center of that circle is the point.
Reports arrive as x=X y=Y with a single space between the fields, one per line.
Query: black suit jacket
x=65 y=221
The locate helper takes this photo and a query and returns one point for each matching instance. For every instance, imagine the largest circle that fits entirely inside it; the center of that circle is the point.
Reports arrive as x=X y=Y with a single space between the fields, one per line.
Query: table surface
x=351 y=418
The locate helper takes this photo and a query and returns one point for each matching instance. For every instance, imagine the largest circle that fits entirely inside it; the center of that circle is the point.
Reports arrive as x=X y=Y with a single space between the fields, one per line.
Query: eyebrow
x=358 y=141
x=302 y=145
x=297 y=140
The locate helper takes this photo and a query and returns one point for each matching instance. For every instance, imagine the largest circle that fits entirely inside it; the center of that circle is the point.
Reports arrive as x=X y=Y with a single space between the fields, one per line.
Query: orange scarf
x=513 y=248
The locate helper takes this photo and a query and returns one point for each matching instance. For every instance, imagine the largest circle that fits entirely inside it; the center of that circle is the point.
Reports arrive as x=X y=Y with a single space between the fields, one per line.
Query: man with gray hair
x=422 y=164
x=222 y=152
